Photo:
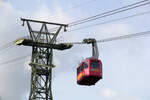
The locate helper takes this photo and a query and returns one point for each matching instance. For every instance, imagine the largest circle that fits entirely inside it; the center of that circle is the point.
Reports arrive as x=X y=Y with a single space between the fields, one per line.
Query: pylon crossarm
x=36 y=21
x=28 y=42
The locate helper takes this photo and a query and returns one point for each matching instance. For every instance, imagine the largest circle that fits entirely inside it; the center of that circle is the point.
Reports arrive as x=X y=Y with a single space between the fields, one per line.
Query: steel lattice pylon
x=43 y=42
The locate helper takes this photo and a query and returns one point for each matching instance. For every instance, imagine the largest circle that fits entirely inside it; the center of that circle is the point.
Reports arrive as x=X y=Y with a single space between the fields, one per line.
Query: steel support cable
x=109 y=21
x=105 y=15
x=125 y=7
x=125 y=36
x=110 y=11
x=6 y=49
x=6 y=46
x=13 y=60
x=116 y=38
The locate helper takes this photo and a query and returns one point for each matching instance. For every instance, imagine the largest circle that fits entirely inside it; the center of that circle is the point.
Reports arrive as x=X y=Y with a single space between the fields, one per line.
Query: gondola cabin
x=89 y=71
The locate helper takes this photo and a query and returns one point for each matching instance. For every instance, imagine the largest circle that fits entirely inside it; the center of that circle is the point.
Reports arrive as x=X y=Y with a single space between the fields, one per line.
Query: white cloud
x=44 y=13
x=109 y=93
x=6 y=11
x=113 y=30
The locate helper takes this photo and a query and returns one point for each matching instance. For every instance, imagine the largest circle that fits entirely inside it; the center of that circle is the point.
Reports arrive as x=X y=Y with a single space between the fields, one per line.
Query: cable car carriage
x=90 y=70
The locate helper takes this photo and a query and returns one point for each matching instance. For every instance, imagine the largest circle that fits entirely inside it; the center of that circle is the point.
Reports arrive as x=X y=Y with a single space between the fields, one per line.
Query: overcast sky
x=126 y=68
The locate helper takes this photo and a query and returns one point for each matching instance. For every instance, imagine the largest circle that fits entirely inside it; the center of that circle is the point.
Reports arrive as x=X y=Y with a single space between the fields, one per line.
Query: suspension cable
x=116 y=38
x=109 y=13
x=6 y=46
x=109 y=21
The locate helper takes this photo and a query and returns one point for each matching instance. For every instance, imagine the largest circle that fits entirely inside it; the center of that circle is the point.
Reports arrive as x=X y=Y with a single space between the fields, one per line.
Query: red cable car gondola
x=90 y=70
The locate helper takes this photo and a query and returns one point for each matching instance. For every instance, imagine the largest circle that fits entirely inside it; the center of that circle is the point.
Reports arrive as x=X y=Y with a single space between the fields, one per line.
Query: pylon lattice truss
x=42 y=42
